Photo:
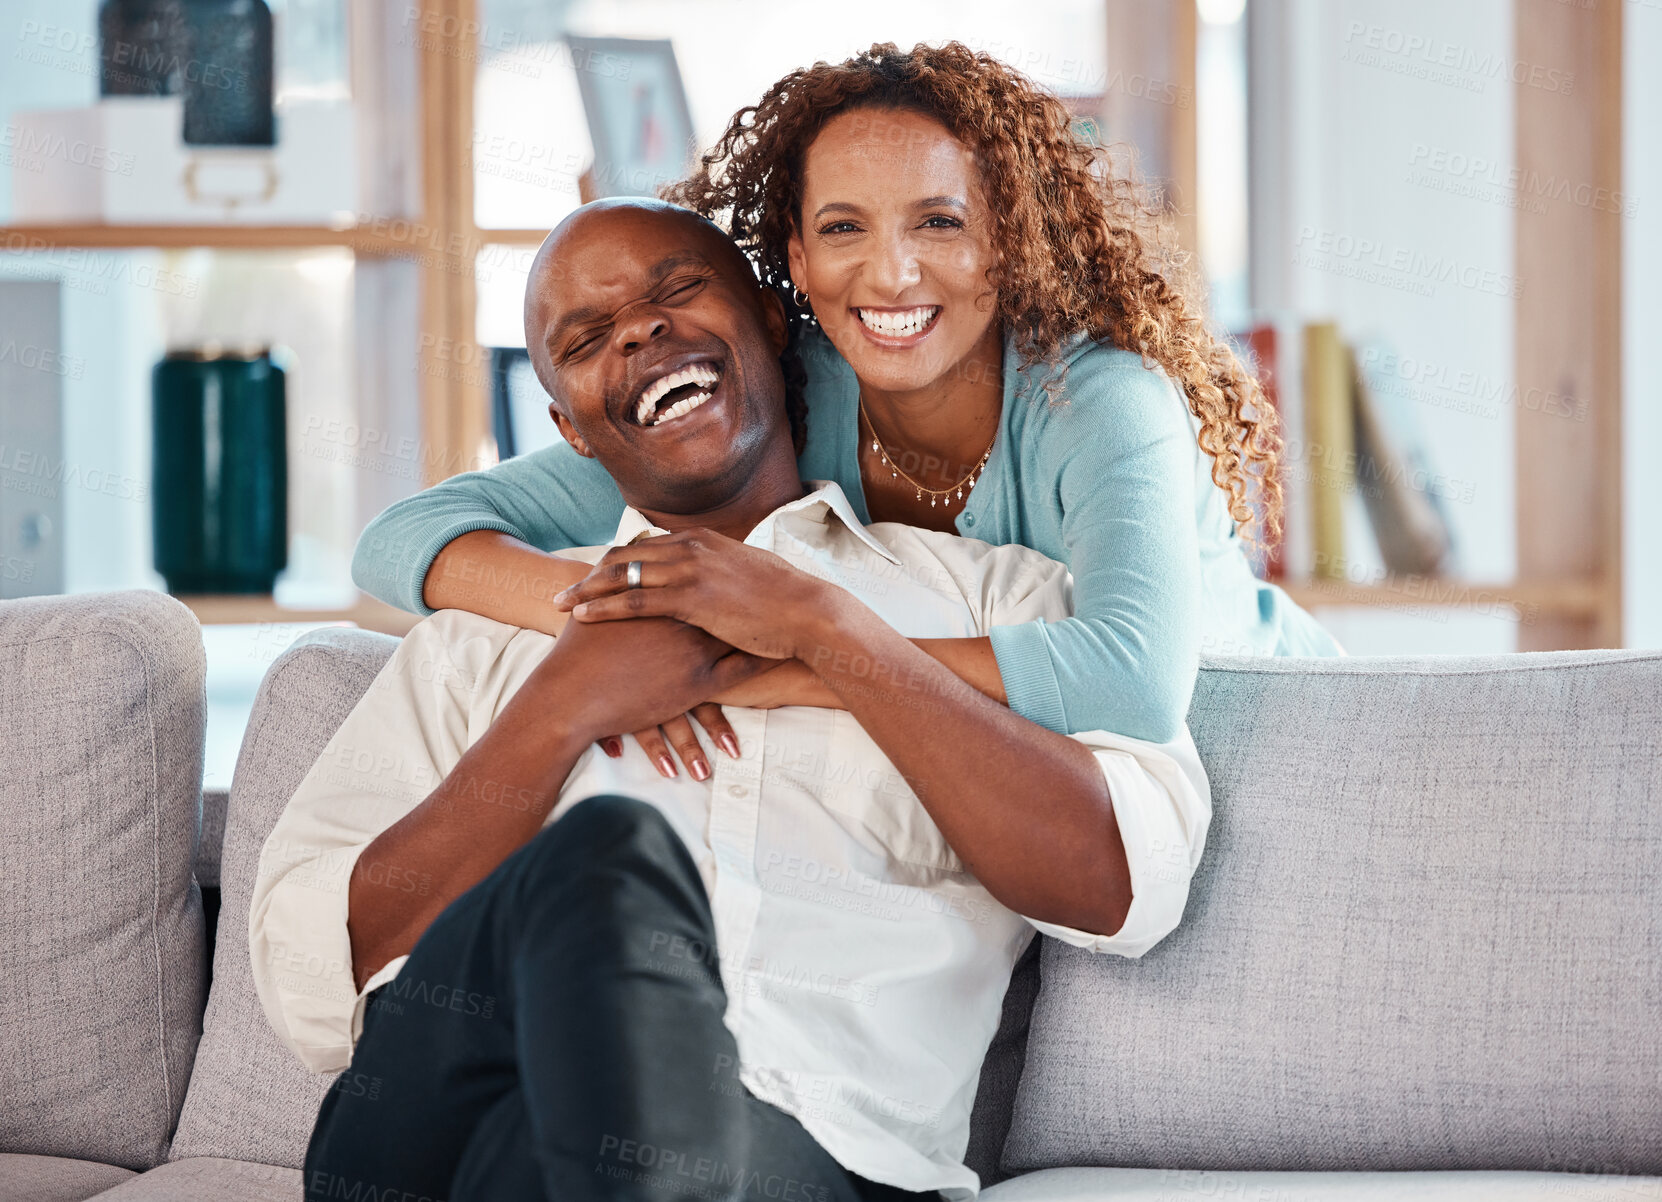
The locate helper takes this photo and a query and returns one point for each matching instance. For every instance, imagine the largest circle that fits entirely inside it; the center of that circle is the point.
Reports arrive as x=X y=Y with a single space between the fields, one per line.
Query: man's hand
x=605 y=677
x=748 y=597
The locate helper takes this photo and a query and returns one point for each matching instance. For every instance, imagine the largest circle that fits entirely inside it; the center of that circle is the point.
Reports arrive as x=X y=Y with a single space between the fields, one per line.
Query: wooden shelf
x=512 y=237
x=212 y=609
x=1568 y=598
x=362 y=240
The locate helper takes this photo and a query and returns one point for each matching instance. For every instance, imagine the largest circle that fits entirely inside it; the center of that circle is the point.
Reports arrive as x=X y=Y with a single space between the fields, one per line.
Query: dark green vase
x=221 y=472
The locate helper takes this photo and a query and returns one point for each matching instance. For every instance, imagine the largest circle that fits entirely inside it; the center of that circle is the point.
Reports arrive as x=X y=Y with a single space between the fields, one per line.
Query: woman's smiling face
x=893 y=246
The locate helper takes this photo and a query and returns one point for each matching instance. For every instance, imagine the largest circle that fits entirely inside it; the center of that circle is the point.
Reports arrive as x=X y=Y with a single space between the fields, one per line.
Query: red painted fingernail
x=730 y=745
x=612 y=747
x=666 y=766
x=700 y=769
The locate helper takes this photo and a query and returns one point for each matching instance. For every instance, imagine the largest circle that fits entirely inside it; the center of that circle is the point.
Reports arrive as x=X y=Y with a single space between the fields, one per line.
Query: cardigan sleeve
x=1118 y=460
x=553 y=499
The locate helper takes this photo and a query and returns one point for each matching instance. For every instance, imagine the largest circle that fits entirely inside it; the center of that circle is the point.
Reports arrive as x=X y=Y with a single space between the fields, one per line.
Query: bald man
x=554 y=974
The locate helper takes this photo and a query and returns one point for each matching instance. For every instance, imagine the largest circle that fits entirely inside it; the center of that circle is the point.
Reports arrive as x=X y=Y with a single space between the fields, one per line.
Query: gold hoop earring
x=799 y=298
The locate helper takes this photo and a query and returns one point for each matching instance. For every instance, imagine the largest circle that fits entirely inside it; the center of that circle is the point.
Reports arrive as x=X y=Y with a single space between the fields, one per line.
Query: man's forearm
x=794 y=683
x=493 y=802
x=1026 y=809
x=495 y=575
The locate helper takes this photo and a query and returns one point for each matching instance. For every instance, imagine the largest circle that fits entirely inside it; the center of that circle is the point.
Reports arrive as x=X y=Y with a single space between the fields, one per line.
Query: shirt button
x=969 y=519
x=737 y=790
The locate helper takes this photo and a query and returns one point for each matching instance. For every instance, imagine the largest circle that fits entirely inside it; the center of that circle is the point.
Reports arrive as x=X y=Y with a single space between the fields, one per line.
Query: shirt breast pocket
x=873 y=802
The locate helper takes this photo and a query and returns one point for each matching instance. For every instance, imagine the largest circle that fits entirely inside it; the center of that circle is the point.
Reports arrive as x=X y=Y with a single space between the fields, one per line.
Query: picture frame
x=637 y=111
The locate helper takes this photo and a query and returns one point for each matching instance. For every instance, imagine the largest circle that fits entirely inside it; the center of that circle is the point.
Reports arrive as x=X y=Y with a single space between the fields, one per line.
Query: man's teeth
x=702 y=374
x=901 y=323
x=684 y=405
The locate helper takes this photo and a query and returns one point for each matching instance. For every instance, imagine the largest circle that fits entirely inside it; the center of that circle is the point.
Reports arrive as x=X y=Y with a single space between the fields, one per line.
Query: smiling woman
x=895 y=248
x=894 y=254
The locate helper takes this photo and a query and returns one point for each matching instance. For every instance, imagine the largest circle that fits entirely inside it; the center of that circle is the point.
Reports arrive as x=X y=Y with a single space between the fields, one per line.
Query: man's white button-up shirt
x=865 y=968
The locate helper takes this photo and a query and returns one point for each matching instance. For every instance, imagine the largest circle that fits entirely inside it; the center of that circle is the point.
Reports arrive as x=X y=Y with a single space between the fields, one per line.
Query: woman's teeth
x=704 y=375
x=899 y=323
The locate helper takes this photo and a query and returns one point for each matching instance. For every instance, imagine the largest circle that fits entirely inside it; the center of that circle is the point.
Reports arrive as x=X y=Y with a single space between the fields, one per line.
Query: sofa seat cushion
x=1190 y=1185
x=209 y=1179
x=101 y=724
x=26 y=1178
x=250 y=1099
x=1426 y=934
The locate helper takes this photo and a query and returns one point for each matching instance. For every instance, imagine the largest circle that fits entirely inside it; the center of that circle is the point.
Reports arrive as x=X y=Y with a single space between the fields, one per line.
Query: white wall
x=1642 y=326
x=51 y=61
x=1357 y=215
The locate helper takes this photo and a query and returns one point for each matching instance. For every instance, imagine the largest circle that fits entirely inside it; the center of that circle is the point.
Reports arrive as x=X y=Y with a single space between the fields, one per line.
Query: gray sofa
x=1423 y=956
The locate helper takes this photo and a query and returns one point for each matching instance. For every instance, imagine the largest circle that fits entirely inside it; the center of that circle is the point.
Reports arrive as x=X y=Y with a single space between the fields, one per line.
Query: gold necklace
x=934 y=493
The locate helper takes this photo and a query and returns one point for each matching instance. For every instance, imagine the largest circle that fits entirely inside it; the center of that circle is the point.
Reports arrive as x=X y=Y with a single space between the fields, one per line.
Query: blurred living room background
x=261 y=266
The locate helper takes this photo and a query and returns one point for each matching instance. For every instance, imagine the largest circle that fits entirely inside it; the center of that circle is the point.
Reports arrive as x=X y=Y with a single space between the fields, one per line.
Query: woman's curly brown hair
x=1080 y=247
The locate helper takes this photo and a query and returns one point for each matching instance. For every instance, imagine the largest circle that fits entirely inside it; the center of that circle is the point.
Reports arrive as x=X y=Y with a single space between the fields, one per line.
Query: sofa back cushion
x=1426 y=934
x=101 y=724
x=250 y=1099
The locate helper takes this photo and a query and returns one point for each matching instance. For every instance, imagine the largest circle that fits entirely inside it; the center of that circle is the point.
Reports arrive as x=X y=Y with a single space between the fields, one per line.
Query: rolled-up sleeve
x=1163 y=806
x=1161 y=797
x=403 y=737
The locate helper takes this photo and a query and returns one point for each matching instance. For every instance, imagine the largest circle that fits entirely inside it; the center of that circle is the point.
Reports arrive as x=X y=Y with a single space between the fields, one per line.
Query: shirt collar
x=825 y=498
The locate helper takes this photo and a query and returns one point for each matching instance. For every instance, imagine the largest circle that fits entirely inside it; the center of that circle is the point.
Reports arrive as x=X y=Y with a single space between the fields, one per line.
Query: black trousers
x=557 y=1036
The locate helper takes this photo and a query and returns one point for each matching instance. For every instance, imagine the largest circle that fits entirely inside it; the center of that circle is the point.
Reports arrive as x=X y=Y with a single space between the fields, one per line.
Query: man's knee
x=611 y=871
x=601 y=833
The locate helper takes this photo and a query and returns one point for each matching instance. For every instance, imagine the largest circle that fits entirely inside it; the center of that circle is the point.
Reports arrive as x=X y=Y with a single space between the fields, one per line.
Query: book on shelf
x=1328 y=470
x=1262 y=345
x=1358 y=484
x=1394 y=477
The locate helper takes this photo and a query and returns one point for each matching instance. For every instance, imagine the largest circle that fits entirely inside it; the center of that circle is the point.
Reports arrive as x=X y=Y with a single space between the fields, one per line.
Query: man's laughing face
x=648 y=328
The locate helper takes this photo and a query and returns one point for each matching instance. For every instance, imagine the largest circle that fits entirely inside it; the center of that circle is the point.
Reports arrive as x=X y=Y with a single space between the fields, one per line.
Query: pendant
x=960 y=494
x=931 y=501
x=876 y=448
x=920 y=494
x=894 y=475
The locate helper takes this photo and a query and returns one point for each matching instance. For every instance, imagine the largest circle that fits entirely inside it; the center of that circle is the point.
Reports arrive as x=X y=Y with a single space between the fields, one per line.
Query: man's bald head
x=608 y=220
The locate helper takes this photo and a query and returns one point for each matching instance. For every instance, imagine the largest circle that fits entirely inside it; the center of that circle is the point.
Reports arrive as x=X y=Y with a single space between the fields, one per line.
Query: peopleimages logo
x=1419 y=56
x=442 y=33
x=24 y=146
x=34 y=474
x=1525 y=185
x=91 y=270
x=674 y=1170
x=76 y=50
x=38 y=358
x=1404 y=268
x=1449 y=386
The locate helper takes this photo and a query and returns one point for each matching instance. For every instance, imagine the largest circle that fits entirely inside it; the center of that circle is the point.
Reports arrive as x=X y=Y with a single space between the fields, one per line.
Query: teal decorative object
x=220 y=488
